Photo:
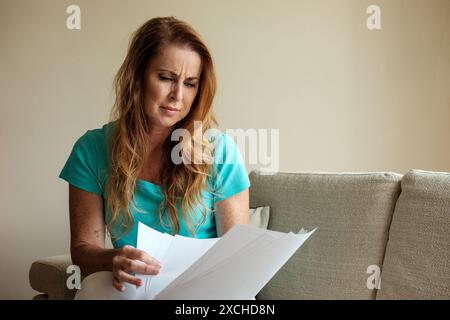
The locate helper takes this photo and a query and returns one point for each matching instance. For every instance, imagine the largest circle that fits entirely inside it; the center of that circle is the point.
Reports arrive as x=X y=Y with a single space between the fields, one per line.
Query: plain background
x=343 y=97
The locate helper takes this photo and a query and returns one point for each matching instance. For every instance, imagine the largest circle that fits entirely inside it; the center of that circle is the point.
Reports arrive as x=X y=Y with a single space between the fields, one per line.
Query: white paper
x=235 y=266
x=182 y=254
x=98 y=286
x=156 y=244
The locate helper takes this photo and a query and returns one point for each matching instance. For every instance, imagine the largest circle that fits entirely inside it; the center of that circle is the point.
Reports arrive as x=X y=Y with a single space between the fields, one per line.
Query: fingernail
x=122 y=288
x=154 y=268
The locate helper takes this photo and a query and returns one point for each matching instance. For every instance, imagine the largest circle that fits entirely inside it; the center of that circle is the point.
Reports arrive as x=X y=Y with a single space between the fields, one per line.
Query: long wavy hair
x=129 y=140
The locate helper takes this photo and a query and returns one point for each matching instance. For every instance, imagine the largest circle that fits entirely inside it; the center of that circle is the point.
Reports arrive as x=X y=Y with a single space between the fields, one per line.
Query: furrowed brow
x=175 y=75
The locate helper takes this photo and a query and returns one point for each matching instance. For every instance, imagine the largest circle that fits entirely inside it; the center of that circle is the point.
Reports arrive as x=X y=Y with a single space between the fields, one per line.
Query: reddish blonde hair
x=129 y=146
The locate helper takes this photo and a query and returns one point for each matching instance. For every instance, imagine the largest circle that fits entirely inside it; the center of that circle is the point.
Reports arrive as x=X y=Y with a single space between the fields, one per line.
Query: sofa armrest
x=49 y=276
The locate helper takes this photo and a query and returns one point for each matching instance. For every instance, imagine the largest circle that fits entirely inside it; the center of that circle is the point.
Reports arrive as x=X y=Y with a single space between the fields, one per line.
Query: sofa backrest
x=353 y=214
x=417 y=261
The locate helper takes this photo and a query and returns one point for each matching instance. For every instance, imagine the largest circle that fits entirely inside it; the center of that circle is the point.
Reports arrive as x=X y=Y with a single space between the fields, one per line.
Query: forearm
x=92 y=258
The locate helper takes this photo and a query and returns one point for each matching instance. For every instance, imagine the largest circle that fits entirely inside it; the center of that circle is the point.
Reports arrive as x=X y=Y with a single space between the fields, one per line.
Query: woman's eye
x=163 y=78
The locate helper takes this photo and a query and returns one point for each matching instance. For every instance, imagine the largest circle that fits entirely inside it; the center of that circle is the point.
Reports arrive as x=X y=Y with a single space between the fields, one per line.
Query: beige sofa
x=366 y=222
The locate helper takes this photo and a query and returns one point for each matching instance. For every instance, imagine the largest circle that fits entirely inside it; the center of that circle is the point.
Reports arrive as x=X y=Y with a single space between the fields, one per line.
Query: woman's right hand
x=130 y=260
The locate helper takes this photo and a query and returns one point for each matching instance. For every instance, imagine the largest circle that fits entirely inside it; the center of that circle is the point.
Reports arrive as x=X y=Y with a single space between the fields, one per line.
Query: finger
x=133 y=266
x=126 y=277
x=140 y=267
x=118 y=285
x=140 y=255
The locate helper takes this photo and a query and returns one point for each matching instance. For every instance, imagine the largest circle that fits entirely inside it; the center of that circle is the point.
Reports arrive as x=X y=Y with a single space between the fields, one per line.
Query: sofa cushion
x=417 y=261
x=352 y=212
x=49 y=276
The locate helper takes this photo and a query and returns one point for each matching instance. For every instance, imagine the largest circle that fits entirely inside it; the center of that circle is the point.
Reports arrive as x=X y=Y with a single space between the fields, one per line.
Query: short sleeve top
x=87 y=168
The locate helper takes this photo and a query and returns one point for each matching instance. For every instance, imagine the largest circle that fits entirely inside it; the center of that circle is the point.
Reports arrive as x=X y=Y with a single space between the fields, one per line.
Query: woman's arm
x=87 y=243
x=231 y=211
x=87 y=232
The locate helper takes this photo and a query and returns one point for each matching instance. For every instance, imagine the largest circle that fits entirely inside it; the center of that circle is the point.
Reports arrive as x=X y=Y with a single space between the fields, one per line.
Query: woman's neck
x=156 y=139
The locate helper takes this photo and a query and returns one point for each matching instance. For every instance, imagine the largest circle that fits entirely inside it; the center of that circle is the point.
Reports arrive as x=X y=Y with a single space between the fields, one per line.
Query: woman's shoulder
x=87 y=166
x=97 y=137
x=93 y=145
x=100 y=133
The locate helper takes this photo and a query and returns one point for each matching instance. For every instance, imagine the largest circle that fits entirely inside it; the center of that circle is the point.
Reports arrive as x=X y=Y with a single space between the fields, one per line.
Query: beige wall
x=344 y=98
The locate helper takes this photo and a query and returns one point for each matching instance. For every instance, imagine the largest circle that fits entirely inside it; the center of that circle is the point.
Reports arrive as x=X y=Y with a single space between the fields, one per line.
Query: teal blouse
x=88 y=165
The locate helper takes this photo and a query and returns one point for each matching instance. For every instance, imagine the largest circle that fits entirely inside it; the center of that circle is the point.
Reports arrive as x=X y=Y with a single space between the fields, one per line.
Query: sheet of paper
x=98 y=285
x=183 y=253
x=237 y=239
x=155 y=244
x=232 y=242
x=236 y=266
x=243 y=274
x=176 y=254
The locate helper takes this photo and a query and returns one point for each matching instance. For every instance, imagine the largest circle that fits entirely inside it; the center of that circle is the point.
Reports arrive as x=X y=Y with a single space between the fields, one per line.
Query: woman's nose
x=177 y=92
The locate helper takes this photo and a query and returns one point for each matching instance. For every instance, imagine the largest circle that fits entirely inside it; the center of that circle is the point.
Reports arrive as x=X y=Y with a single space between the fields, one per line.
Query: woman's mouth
x=170 y=111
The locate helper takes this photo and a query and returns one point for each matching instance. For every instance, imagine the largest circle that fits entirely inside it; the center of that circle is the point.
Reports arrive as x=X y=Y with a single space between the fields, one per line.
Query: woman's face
x=172 y=80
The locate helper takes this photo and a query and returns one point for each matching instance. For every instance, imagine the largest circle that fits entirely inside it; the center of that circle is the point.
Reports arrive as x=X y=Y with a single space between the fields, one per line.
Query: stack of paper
x=235 y=266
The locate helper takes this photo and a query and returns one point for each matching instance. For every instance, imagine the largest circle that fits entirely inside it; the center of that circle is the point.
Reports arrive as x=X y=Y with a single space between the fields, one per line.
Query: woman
x=126 y=171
